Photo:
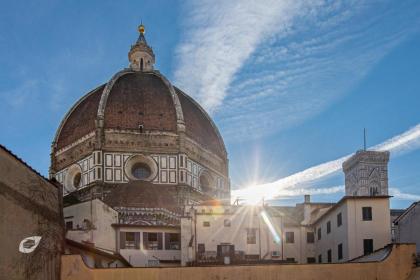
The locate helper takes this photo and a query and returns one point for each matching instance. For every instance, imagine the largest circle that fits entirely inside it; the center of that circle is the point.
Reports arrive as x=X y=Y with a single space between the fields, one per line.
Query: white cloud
x=402 y=143
x=397 y=194
x=298 y=192
x=220 y=38
x=294 y=192
x=264 y=66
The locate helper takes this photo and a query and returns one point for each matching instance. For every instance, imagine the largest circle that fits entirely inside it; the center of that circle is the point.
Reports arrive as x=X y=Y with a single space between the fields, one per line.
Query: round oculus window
x=76 y=180
x=141 y=171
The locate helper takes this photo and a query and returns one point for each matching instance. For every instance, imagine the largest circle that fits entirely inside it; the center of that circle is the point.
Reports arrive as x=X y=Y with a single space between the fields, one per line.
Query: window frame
x=367 y=213
x=340 y=251
x=366 y=250
x=311 y=260
x=251 y=236
x=290 y=237
x=227 y=223
x=339 y=219
x=310 y=234
x=130 y=244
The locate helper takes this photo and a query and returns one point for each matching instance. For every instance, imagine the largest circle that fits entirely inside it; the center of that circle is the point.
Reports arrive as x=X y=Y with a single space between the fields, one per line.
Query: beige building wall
x=240 y=219
x=294 y=250
x=338 y=235
x=142 y=257
x=354 y=229
x=378 y=229
x=99 y=230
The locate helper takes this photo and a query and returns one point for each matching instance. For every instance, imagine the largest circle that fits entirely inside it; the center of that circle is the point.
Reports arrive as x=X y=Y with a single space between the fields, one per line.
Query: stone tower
x=366 y=173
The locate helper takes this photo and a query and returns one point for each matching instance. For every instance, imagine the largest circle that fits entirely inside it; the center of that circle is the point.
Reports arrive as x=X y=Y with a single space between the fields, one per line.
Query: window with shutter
x=122 y=240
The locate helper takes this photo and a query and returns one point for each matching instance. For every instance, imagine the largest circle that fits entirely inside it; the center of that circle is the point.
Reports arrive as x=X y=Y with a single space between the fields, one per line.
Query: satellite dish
x=29 y=244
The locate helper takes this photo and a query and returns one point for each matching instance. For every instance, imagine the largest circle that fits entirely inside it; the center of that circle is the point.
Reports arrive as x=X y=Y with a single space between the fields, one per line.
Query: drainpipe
x=259 y=233
x=195 y=236
x=281 y=237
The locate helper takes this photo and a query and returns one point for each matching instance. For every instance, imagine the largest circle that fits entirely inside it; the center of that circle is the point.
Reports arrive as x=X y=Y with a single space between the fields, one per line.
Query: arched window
x=141 y=64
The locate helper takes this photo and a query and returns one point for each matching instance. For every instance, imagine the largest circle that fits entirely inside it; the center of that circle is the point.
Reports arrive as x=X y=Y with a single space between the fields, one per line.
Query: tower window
x=367 y=213
x=373 y=191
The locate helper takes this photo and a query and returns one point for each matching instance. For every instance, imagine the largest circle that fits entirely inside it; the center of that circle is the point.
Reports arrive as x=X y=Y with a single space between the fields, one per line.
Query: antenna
x=364 y=139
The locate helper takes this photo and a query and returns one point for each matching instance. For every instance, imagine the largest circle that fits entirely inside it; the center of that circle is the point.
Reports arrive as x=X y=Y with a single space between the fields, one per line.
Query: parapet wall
x=398 y=265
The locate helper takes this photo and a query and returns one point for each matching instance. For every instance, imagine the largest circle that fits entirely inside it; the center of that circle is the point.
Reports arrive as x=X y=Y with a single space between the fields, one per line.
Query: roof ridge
x=27 y=165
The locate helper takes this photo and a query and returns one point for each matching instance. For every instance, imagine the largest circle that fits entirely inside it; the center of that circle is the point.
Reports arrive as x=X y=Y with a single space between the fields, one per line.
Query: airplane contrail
x=397 y=145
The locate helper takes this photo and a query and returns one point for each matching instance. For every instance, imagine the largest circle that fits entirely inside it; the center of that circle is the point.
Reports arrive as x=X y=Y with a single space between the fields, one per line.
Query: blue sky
x=291 y=84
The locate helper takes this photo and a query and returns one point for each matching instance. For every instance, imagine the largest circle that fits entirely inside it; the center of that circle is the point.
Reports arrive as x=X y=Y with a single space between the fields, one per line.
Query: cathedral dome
x=143 y=102
x=139 y=129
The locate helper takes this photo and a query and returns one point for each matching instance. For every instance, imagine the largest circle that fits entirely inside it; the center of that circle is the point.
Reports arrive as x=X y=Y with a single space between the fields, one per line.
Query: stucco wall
x=29 y=206
x=241 y=219
x=338 y=235
x=398 y=265
x=378 y=229
x=102 y=216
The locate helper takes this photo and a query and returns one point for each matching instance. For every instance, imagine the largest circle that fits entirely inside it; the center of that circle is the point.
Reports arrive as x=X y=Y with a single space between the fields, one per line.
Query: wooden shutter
x=137 y=239
x=160 y=245
x=122 y=240
x=166 y=241
x=145 y=241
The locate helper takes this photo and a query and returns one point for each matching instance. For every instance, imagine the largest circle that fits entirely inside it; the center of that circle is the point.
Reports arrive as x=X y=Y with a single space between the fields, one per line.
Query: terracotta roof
x=81 y=119
x=142 y=194
x=138 y=98
x=198 y=125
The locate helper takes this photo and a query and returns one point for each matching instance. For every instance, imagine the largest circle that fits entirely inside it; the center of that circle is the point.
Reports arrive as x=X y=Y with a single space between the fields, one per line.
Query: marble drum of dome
x=139 y=128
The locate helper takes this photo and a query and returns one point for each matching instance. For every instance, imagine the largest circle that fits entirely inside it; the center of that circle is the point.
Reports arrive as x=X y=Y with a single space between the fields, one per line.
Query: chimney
x=307 y=198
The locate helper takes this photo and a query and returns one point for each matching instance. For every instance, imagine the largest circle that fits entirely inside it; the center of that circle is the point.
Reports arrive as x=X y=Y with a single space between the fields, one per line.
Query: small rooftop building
x=407 y=226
